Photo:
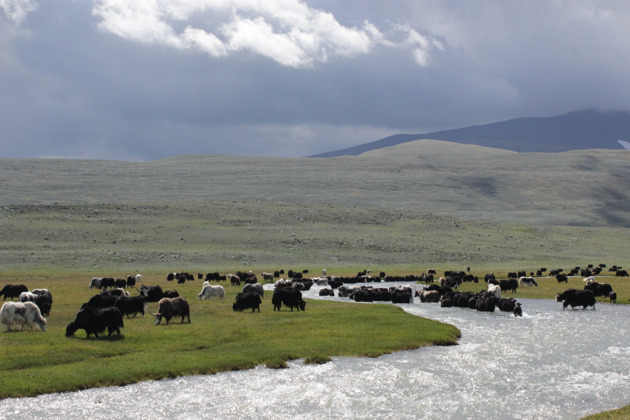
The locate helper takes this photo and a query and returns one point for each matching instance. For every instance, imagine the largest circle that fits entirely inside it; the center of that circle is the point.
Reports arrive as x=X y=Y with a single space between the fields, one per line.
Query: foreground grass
x=619 y=414
x=218 y=339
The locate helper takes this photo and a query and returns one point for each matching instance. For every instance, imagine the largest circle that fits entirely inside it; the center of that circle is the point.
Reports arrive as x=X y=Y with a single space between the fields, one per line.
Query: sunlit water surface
x=549 y=364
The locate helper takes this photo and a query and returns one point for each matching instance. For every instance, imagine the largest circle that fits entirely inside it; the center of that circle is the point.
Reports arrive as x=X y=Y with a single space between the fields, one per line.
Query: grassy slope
x=468 y=182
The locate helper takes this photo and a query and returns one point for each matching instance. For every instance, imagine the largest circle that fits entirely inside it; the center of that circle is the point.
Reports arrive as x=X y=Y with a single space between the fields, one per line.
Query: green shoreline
x=217 y=339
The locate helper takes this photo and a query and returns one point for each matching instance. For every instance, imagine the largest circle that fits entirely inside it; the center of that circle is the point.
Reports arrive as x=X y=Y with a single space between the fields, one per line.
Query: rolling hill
x=573 y=131
x=582 y=188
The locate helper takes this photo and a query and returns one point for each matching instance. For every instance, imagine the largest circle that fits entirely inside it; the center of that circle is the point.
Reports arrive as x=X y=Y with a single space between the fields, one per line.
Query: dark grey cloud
x=292 y=78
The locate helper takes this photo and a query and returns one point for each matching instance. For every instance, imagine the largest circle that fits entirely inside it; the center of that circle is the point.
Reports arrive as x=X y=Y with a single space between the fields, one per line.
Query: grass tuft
x=277 y=364
x=317 y=360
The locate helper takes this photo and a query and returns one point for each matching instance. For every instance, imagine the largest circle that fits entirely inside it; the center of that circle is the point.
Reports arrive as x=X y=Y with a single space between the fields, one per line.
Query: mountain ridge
x=578 y=130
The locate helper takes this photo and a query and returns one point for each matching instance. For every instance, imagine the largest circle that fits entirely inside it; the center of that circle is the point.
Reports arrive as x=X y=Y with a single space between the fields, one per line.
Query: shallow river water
x=549 y=364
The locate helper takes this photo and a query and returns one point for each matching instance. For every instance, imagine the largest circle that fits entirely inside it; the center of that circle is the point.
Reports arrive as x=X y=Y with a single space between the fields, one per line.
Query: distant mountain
x=573 y=131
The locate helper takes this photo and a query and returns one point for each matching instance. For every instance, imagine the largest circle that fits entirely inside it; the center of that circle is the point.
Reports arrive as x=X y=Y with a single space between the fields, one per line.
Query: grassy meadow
x=217 y=339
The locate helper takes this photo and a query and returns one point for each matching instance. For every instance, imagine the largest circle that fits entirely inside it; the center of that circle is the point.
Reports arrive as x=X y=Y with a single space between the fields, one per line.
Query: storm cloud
x=112 y=79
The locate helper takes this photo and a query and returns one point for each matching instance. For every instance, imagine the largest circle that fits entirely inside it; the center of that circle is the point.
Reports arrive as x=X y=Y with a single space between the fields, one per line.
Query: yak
x=172 y=307
x=21 y=314
x=289 y=297
x=575 y=298
x=247 y=300
x=96 y=320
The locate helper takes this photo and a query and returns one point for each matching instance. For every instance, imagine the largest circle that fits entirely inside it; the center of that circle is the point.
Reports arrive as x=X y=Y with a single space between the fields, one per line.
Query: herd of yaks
x=105 y=311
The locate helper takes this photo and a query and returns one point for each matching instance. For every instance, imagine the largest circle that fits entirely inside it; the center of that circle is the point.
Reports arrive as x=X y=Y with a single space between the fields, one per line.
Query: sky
x=148 y=79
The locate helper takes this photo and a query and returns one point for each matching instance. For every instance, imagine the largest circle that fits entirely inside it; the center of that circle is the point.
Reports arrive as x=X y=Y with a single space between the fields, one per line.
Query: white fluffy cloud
x=286 y=31
x=17 y=10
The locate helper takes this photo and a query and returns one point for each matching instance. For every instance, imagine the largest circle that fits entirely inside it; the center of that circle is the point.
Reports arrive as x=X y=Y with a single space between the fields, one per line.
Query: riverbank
x=503 y=367
x=217 y=339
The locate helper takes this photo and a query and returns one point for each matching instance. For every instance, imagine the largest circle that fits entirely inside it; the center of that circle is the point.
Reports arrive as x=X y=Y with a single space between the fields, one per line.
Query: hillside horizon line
x=577 y=130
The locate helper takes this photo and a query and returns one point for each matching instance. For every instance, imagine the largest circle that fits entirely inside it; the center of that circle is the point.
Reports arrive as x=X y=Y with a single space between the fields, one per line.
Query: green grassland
x=217 y=339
